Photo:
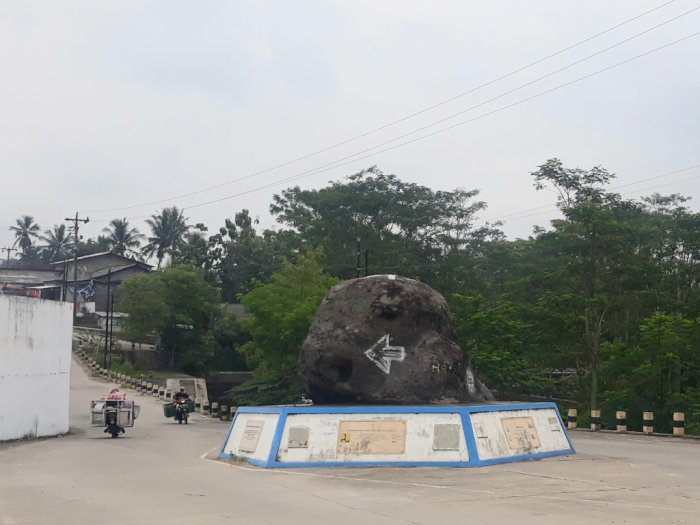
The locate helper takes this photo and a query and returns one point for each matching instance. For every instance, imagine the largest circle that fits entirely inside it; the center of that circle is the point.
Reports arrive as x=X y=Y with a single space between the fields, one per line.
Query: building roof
x=102 y=254
x=97 y=265
x=28 y=277
x=114 y=269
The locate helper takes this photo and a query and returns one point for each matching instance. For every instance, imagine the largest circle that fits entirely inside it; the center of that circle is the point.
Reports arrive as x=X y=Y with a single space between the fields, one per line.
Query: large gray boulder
x=386 y=339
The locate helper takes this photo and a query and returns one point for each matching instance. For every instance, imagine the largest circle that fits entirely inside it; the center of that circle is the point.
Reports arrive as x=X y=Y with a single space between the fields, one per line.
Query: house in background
x=55 y=281
x=40 y=281
x=94 y=271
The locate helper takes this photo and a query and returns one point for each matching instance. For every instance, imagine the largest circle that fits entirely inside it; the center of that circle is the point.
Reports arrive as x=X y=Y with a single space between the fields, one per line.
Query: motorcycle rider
x=181 y=398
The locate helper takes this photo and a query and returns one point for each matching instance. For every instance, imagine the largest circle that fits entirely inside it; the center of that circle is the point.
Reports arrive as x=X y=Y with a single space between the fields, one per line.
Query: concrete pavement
x=159 y=472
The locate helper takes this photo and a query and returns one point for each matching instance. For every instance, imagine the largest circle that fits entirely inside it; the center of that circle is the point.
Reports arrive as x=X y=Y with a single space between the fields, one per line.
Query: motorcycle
x=112 y=426
x=182 y=411
x=114 y=413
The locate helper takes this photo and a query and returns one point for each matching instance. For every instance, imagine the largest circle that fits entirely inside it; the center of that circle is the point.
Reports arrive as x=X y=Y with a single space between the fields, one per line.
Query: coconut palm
x=25 y=230
x=58 y=243
x=167 y=231
x=121 y=237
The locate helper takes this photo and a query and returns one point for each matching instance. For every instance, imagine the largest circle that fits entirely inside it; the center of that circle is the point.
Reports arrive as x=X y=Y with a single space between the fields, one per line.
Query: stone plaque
x=480 y=431
x=298 y=437
x=251 y=436
x=372 y=437
x=520 y=433
x=446 y=437
x=554 y=425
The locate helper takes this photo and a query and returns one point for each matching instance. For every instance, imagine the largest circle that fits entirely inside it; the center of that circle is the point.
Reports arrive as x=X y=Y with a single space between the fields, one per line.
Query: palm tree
x=167 y=231
x=58 y=243
x=25 y=230
x=121 y=237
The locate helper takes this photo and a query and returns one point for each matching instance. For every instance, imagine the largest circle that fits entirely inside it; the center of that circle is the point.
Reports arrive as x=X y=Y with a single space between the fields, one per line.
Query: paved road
x=159 y=473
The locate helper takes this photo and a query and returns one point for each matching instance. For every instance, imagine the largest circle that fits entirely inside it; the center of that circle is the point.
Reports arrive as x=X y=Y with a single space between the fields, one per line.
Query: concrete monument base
x=395 y=436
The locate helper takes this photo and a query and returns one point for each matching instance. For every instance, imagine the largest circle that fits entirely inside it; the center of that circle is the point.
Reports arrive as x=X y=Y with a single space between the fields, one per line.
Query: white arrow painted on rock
x=382 y=356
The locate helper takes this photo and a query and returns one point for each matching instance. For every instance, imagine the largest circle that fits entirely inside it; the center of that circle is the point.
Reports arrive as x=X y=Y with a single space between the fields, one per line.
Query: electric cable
x=385 y=126
x=333 y=165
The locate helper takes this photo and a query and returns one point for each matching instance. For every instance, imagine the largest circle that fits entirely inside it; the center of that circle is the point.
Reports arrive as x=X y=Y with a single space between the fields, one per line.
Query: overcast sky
x=114 y=104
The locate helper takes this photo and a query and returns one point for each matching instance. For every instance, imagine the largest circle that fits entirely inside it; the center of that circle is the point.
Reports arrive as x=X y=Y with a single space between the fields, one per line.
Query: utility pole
x=75 y=222
x=8 y=250
x=357 y=259
x=107 y=338
x=111 y=329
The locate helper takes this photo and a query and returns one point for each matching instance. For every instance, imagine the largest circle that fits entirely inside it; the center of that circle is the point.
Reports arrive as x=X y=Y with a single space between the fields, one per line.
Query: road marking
x=204 y=456
x=617 y=503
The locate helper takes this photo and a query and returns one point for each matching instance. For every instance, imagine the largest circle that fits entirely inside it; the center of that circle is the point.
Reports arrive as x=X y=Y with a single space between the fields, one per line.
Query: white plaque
x=251 y=436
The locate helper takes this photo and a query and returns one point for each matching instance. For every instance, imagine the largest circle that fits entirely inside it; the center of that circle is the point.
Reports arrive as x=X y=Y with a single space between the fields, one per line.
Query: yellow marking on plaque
x=379 y=436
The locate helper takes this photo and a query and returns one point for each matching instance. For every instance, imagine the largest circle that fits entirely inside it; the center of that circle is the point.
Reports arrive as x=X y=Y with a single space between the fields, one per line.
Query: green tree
x=59 y=244
x=228 y=336
x=122 y=238
x=661 y=373
x=195 y=249
x=144 y=299
x=193 y=307
x=181 y=307
x=593 y=245
x=282 y=310
x=407 y=229
x=167 y=233
x=497 y=342
x=25 y=231
x=239 y=255
x=91 y=246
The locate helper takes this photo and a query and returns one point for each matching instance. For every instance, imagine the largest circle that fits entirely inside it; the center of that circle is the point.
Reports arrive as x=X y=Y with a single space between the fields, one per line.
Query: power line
x=553 y=205
x=400 y=120
x=334 y=165
x=522 y=86
x=547 y=206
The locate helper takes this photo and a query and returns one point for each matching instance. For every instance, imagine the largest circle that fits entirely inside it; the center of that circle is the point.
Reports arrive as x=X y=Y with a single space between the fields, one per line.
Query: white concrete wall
x=264 y=444
x=492 y=442
x=35 y=357
x=323 y=438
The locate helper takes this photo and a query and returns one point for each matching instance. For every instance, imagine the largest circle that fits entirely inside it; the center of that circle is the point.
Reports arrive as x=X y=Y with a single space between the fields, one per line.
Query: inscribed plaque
x=480 y=431
x=251 y=436
x=446 y=437
x=298 y=437
x=520 y=433
x=554 y=425
x=372 y=437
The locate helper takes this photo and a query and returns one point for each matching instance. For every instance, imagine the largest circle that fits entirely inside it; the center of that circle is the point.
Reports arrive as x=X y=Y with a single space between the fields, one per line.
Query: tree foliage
x=121 y=237
x=406 y=228
x=167 y=232
x=282 y=310
x=180 y=307
x=600 y=307
x=25 y=231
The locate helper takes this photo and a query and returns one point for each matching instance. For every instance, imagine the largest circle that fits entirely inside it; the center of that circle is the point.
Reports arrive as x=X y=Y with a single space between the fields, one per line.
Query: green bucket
x=169 y=410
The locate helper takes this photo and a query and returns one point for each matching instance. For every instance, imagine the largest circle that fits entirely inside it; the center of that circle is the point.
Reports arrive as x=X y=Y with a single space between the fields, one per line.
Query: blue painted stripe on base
x=464 y=411
x=365 y=464
x=277 y=439
x=222 y=452
x=523 y=457
x=394 y=409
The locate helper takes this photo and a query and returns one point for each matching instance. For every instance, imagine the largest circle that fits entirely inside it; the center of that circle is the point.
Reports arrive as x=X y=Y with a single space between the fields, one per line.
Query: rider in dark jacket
x=181 y=396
